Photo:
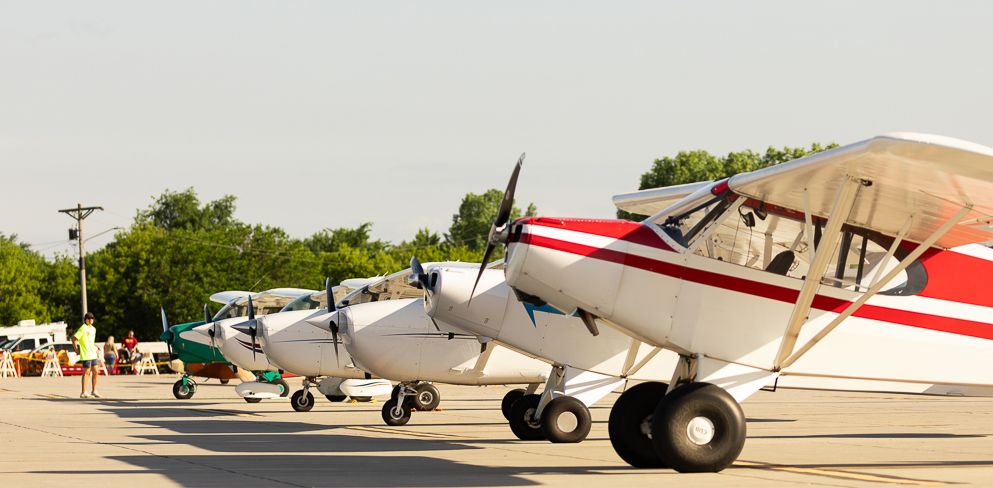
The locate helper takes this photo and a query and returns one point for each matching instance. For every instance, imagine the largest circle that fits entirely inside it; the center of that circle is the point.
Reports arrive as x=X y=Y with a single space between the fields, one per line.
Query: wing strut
x=822 y=257
x=879 y=284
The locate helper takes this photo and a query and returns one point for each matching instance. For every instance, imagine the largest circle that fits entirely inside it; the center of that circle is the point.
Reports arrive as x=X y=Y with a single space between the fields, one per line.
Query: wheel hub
x=425 y=397
x=700 y=430
x=567 y=422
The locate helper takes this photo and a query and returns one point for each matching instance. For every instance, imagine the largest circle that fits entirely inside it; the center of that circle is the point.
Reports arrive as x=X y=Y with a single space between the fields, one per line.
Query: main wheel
x=335 y=398
x=509 y=399
x=252 y=400
x=522 y=420
x=395 y=392
x=284 y=387
x=428 y=397
x=565 y=419
x=302 y=401
x=630 y=424
x=394 y=414
x=699 y=429
x=184 y=392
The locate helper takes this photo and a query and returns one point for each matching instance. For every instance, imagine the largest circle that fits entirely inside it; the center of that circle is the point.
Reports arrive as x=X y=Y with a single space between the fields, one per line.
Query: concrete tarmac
x=138 y=435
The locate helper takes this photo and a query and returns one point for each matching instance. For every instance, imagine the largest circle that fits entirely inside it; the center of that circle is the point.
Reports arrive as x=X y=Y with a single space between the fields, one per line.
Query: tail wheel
x=565 y=419
x=522 y=419
x=396 y=414
x=428 y=397
x=630 y=424
x=225 y=381
x=335 y=398
x=509 y=399
x=302 y=401
x=184 y=391
x=699 y=428
x=252 y=400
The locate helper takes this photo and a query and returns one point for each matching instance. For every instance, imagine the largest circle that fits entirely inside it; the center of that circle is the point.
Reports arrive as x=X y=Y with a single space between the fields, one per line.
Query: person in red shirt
x=131 y=346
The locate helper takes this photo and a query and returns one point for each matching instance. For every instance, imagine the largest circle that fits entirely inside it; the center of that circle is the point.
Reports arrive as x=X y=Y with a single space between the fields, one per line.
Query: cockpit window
x=765 y=237
x=303 y=302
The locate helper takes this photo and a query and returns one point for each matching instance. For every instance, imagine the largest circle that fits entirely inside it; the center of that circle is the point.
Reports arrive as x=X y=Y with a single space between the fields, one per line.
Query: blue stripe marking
x=531 y=309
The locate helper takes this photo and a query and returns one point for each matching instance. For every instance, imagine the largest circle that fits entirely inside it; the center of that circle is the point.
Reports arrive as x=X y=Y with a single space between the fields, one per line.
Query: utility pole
x=80 y=213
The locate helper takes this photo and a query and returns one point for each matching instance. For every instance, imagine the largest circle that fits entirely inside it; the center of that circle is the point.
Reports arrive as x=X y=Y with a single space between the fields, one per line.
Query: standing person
x=84 y=341
x=110 y=354
x=131 y=345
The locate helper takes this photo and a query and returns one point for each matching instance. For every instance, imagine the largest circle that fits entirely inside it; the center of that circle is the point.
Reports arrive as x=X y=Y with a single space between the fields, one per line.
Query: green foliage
x=29 y=285
x=693 y=166
x=471 y=226
x=330 y=240
x=182 y=210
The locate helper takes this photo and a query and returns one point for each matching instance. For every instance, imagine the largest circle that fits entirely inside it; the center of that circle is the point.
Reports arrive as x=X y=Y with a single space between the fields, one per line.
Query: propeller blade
x=206 y=314
x=417 y=275
x=165 y=328
x=327 y=288
x=165 y=321
x=334 y=339
x=212 y=331
x=503 y=216
x=251 y=309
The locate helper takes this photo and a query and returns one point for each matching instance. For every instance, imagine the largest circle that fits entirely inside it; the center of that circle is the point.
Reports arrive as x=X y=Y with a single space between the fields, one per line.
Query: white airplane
x=386 y=331
x=859 y=263
x=293 y=345
x=243 y=350
x=584 y=368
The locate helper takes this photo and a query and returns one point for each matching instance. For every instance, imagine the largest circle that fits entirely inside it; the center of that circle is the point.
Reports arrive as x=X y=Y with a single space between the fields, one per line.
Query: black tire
x=225 y=381
x=252 y=400
x=708 y=412
x=284 y=387
x=556 y=424
x=335 y=398
x=632 y=412
x=395 y=393
x=302 y=402
x=522 y=421
x=184 y=392
x=509 y=399
x=391 y=417
x=428 y=397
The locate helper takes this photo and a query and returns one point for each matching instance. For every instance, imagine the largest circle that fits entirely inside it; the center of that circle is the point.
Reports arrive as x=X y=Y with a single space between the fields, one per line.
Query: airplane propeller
x=250 y=326
x=418 y=277
x=333 y=324
x=167 y=331
x=498 y=231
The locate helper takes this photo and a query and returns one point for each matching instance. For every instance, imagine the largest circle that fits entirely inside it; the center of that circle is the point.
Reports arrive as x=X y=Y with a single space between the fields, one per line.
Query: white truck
x=28 y=336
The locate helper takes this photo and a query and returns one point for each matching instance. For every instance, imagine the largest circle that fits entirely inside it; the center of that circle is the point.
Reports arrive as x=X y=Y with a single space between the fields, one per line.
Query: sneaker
x=85 y=395
x=95 y=394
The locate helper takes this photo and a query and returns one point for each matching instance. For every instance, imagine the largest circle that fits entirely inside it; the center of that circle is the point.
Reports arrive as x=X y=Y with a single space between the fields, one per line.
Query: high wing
x=649 y=202
x=276 y=297
x=909 y=181
x=226 y=296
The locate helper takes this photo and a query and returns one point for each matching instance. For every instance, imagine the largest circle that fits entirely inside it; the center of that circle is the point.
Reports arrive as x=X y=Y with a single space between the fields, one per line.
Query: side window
x=862 y=259
x=29 y=344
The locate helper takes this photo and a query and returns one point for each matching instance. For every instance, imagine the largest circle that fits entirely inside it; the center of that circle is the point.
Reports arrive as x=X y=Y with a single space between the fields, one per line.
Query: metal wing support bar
x=822 y=257
x=878 y=285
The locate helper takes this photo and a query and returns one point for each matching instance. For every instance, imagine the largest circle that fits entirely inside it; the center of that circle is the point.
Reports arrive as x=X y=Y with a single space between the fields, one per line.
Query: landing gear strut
x=552 y=415
x=407 y=397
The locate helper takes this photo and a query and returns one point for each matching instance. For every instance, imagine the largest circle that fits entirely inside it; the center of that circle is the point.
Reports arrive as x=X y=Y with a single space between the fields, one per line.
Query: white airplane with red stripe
x=854 y=268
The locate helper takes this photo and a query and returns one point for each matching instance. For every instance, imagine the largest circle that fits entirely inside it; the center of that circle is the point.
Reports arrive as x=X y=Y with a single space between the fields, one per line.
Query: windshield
x=392 y=287
x=303 y=302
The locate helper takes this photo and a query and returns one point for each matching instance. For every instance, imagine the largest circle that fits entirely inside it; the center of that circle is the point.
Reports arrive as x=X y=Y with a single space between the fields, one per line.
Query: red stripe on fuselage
x=624 y=230
x=766 y=290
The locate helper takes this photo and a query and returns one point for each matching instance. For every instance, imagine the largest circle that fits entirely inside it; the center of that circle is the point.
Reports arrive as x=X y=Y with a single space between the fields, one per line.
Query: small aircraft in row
x=859 y=265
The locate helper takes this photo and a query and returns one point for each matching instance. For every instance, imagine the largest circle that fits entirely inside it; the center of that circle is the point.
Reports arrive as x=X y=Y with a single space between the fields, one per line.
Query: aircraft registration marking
x=384 y=430
x=837 y=473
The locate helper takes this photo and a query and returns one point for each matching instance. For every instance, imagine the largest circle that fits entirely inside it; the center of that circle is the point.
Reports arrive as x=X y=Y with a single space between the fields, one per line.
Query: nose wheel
x=184 y=389
x=396 y=413
x=302 y=400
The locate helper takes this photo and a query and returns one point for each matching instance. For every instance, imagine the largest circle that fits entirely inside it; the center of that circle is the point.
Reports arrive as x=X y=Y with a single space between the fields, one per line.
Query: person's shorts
x=88 y=363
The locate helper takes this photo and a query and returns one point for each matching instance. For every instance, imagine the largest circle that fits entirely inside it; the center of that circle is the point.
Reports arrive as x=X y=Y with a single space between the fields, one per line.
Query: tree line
x=180 y=250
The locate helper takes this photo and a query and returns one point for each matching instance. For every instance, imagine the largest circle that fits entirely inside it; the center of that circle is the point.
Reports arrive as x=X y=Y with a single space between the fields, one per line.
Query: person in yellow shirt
x=84 y=341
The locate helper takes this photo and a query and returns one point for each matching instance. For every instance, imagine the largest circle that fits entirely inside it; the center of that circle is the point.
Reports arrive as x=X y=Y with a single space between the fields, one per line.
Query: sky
x=331 y=114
